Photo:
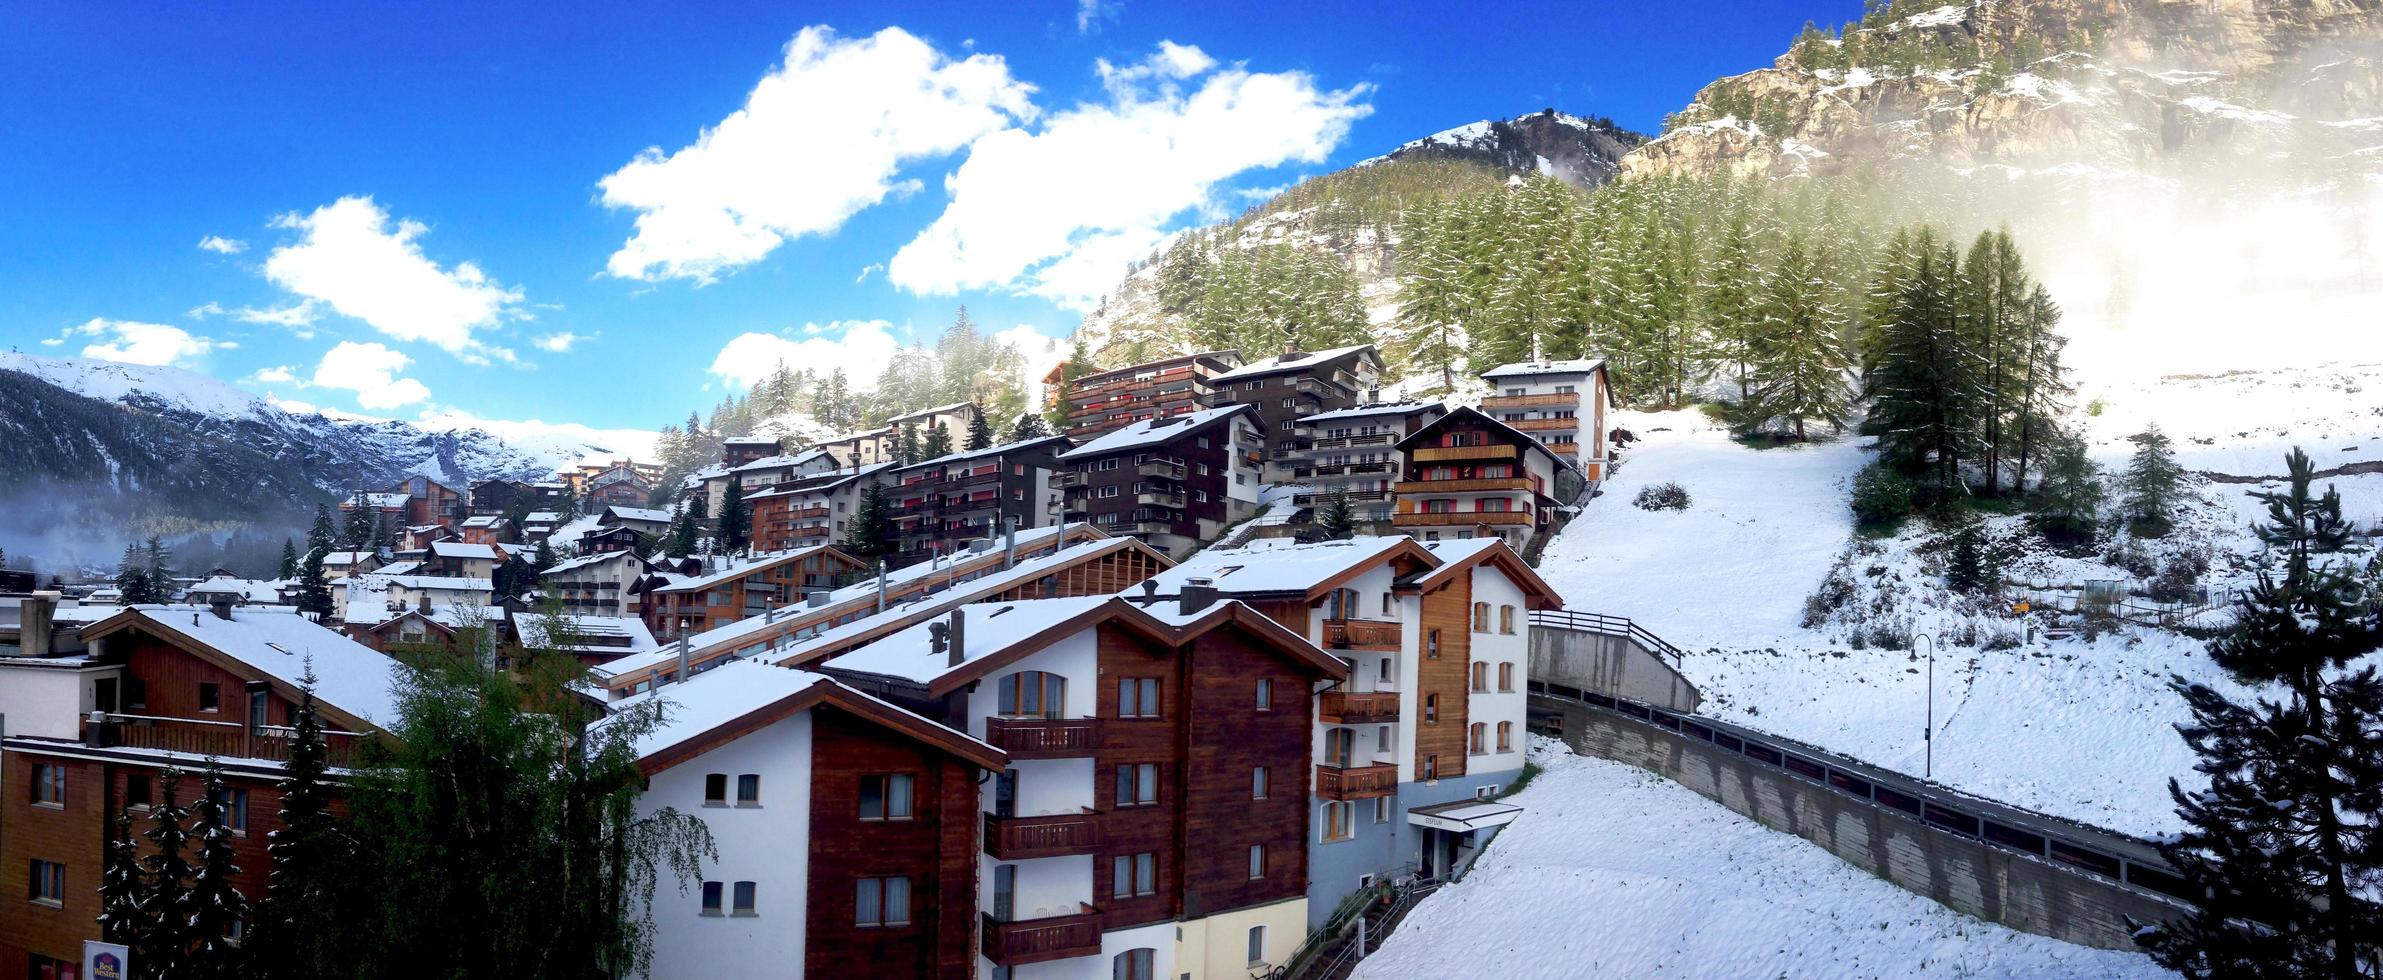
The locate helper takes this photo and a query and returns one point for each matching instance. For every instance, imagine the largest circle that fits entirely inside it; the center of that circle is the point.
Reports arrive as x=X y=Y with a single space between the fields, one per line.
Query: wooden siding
x=936 y=849
x=1449 y=610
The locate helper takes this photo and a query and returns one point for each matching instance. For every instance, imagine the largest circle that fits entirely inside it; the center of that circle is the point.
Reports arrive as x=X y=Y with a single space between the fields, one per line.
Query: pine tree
x=1338 y=519
x=314 y=587
x=213 y=906
x=1924 y=386
x=296 y=921
x=2070 y=501
x=939 y=442
x=1800 y=362
x=871 y=532
x=1029 y=426
x=132 y=577
x=1965 y=567
x=906 y=446
x=2280 y=847
x=1434 y=306
x=122 y=892
x=2152 y=482
x=980 y=430
x=1732 y=294
x=358 y=533
x=683 y=530
x=161 y=575
x=736 y=519
x=289 y=560
x=2043 y=390
x=165 y=874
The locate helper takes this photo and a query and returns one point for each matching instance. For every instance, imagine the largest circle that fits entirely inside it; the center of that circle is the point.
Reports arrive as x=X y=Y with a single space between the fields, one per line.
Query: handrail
x=1608 y=625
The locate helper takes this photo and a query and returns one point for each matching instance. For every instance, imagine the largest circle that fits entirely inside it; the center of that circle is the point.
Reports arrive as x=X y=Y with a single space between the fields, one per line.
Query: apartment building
x=157 y=687
x=736 y=451
x=1353 y=451
x=709 y=592
x=1174 y=482
x=1294 y=386
x=1103 y=402
x=846 y=830
x=812 y=509
x=864 y=448
x=1468 y=475
x=1429 y=718
x=1562 y=403
x=1149 y=821
x=602 y=583
x=941 y=504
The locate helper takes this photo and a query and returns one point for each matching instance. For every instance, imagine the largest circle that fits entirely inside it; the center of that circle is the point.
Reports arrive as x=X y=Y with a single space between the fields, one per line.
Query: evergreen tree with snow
x=314 y=586
x=1800 y=361
x=213 y=906
x=2069 y=503
x=155 y=558
x=1338 y=519
x=1433 y=305
x=870 y=535
x=289 y=560
x=1965 y=566
x=1029 y=426
x=1735 y=287
x=736 y=518
x=906 y=445
x=2280 y=848
x=2043 y=386
x=165 y=874
x=296 y=920
x=938 y=443
x=122 y=893
x=359 y=530
x=980 y=430
x=683 y=531
x=132 y=577
x=2152 y=482
x=1925 y=383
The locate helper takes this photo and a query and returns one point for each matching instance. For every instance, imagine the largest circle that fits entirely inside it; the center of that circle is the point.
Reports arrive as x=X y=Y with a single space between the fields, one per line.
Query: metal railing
x=1588 y=622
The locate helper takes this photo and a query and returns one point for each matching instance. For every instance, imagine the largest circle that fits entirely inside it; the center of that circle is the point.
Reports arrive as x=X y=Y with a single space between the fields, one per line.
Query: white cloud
x=223 y=246
x=559 y=342
x=133 y=342
x=861 y=347
x=1057 y=212
x=279 y=374
x=294 y=316
x=866 y=270
x=53 y=341
x=350 y=259
x=560 y=443
x=1090 y=14
x=207 y=309
x=370 y=370
x=818 y=140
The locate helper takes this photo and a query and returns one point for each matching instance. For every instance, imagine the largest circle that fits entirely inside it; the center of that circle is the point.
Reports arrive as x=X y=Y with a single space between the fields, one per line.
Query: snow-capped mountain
x=1578 y=150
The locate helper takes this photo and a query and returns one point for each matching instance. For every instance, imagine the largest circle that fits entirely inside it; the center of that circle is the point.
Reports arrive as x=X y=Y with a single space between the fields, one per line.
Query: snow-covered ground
x=1613 y=871
x=2079 y=727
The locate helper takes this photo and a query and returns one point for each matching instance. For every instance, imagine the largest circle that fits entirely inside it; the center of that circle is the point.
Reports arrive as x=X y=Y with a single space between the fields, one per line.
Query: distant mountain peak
x=1580 y=150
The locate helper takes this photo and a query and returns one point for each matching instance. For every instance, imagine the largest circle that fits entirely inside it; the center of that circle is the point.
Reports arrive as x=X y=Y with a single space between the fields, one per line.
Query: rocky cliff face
x=2035 y=85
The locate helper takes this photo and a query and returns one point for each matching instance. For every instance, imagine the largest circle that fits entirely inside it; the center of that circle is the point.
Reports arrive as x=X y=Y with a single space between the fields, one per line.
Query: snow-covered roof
x=712 y=472
x=1270 y=565
x=737 y=567
x=989 y=629
x=280 y=643
x=483 y=520
x=458 y=549
x=749 y=441
x=1010 y=447
x=1151 y=432
x=345 y=556
x=252 y=590
x=647 y=515
x=398 y=568
x=1276 y=365
x=584 y=561
x=533 y=628
x=542 y=517
x=455 y=583
x=781 y=461
x=924 y=412
x=1523 y=369
x=1401 y=409
x=703 y=703
x=381 y=500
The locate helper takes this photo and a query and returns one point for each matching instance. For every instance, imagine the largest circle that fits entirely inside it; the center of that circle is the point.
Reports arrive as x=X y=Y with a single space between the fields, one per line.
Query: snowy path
x=1617 y=872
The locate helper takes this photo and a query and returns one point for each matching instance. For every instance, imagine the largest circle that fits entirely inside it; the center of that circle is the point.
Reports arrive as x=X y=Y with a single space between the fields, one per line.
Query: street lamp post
x=1928 y=734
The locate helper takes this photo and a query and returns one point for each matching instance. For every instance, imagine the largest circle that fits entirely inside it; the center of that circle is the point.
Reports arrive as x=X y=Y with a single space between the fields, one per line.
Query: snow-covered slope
x=1613 y=871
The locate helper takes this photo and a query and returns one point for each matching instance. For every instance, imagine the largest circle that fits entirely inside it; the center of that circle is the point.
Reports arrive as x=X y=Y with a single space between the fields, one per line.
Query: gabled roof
x=354 y=684
x=1459 y=556
x=1096 y=377
x=742 y=697
x=1293 y=362
x=924 y=412
x=1524 y=369
x=781 y=460
x=1399 y=409
x=1283 y=567
x=1001 y=450
x=740 y=567
x=458 y=549
x=1151 y=432
x=533 y=630
x=1469 y=414
x=646 y=515
x=996 y=634
x=583 y=561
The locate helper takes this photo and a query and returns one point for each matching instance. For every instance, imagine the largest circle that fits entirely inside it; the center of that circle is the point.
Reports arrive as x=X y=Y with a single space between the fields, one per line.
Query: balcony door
x=1340 y=747
x=1005 y=793
x=1031 y=694
x=1005 y=892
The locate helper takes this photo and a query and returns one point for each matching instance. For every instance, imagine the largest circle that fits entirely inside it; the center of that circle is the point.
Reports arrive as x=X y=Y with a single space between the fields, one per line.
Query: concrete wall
x=1613 y=665
x=1962 y=874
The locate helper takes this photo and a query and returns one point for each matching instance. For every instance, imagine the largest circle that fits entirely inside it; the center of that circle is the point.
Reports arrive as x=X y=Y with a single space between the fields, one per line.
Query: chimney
x=682 y=660
x=958 y=634
x=881 y=585
x=1009 y=543
x=222 y=604
x=820 y=598
x=34 y=619
x=1149 y=592
x=1199 y=592
x=422 y=602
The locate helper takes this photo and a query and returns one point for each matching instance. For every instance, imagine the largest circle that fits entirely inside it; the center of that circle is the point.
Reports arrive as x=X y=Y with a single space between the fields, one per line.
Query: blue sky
x=452 y=208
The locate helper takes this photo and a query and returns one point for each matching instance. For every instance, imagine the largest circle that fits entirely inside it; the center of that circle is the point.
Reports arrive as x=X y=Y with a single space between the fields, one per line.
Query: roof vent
x=1198 y=593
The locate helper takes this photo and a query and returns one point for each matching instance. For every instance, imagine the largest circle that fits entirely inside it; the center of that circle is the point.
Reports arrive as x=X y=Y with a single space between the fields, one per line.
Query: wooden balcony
x=1358 y=634
x=1041 y=940
x=229 y=740
x=1512 y=518
x=1376 y=439
x=1491 y=485
x=1020 y=838
x=1158 y=468
x=1435 y=454
x=1496 y=402
x=1356 y=782
x=1044 y=738
x=1358 y=708
x=1546 y=425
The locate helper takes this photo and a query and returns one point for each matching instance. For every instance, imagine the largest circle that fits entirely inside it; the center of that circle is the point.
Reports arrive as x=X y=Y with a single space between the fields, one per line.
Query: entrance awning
x=1464 y=815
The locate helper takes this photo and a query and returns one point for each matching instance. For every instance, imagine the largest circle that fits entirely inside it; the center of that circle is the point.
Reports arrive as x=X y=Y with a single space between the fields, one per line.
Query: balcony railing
x=1433 y=454
x=1358 y=634
x=1324 y=499
x=1070 y=478
x=1511 y=518
x=1376 y=439
x=1174 y=500
x=1021 y=838
x=1041 y=940
x=1489 y=484
x=1172 y=471
x=1358 y=708
x=1356 y=782
x=1496 y=402
x=1044 y=738
x=1546 y=425
x=1145 y=527
x=225 y=739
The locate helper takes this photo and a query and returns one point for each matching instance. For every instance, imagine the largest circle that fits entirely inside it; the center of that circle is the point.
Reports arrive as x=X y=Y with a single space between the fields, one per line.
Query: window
x=711 y=898
x=1108 y=491
x=1339 y=745
x=210 y=699
x=748 y=789
x=1138 y=964
x=1431 y=644
x=885 y=797
x=1385 y=603
x=1431 y=709
x=1506 y=620
x=49 y=785
x=715 y=789
x=1257 y=783
x=49 y=883
x=1265 y=694
x=1137 y=697
x=1505 y=677
x=1505 y=736
x=1137 y=785
x=1564 y=389
x=259 y=701
x=1384 y=672
x=1030 y=694
x=136 y=693
x=1257 y=860
x=1257 y=945
x=1339 y=821
x=235 y=809
x=882 y=902
x=1481 y=617
x=1480 y=676
x=1110 y=463
x=1133 y=874
x=1475 y=738
x=744 y=899
x=1254 y=385
x=136 y=790
x=1381 y=809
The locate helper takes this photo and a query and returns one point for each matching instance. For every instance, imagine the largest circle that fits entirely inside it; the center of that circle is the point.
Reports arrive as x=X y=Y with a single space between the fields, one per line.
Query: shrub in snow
x=1662 y=496
x=2176 y=583
x=1882 y=498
